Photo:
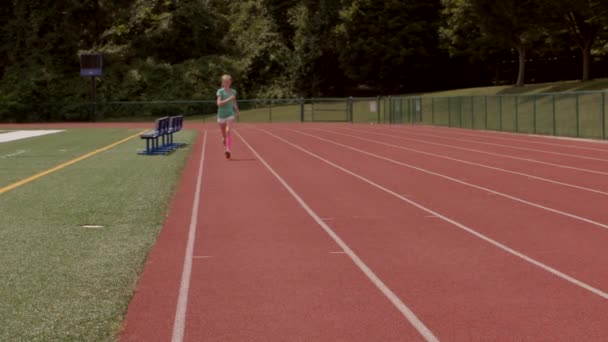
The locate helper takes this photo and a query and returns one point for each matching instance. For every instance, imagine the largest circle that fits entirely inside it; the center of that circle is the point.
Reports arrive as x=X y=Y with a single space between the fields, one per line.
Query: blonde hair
x=226 y=78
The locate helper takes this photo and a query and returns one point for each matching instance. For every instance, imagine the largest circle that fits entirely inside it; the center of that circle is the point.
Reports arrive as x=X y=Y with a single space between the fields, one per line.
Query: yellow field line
x=66 y=164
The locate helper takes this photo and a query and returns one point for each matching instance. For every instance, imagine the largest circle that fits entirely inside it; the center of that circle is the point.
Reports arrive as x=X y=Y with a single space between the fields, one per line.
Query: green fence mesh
x=574 y=114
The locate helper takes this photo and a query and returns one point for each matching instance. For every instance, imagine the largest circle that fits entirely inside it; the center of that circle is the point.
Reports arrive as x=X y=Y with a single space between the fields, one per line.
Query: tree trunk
x=587 y=62
x=522 y=66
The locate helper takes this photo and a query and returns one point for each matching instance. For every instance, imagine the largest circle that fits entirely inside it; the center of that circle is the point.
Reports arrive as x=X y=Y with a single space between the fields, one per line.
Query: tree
x=583 y=21
x=390 y=43
x=263 y=58
x=315 y=68
x=517 y=24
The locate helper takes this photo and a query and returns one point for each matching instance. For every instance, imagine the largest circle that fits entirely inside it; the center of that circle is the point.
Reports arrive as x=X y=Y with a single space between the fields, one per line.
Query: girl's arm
x=221 y=103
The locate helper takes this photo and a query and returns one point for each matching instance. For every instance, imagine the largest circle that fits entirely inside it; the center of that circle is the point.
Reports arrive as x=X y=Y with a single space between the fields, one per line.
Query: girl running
x=226 y=110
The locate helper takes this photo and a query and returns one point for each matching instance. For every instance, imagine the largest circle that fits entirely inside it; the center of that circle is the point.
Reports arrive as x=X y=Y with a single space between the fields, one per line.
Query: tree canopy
x=168 y=50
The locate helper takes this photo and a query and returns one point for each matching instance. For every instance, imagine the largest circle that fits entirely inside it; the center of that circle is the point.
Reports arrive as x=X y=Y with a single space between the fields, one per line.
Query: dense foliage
x=170 y=49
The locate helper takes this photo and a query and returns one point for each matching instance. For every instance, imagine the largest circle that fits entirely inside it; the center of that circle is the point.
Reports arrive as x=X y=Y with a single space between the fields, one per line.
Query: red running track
x=468 y=263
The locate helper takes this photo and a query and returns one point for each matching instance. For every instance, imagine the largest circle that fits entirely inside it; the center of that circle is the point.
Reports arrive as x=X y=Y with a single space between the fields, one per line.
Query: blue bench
x=160 y=139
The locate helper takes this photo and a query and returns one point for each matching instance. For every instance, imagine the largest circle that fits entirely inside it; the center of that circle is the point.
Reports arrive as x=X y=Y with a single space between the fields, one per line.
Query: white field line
x=395 y=300
x=469 y=163
x=491 y=134
x=13 y=154
x=517 y=199
x=417 y=132
x=457 y=224
x=179 y=324
x=483 y=152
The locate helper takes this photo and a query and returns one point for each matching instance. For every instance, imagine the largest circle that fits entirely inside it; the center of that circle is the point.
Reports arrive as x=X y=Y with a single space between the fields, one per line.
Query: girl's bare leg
x=223 y=128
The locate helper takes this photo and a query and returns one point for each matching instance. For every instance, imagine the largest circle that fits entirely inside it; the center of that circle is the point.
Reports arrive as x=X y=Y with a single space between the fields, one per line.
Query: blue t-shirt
x=226 y=110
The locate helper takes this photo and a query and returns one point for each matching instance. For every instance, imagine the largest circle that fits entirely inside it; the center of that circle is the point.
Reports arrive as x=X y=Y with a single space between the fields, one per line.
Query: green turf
x=554 y=87
x=40 y=153
x=62 y=282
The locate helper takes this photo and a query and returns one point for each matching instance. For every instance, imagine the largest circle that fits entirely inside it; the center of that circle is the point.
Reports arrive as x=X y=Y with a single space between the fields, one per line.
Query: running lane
x=263 y=269
x=509 y=161
x=560 y=144
x=571 y=200
x=460 y=286
x=572 y=246
x=580 y=160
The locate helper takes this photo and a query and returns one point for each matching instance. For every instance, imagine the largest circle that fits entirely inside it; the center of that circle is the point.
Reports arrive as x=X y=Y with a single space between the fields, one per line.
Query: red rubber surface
x=266 y=270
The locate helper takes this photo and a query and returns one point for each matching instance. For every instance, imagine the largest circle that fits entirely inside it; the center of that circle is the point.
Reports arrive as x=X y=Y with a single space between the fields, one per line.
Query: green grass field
x=63 y=282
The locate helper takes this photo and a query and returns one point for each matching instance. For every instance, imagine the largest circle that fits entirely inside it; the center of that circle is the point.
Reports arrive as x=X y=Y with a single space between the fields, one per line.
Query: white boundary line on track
x=395 y=300
x=501 y=145
x=466 y=162
x=517 y=199
x=469 y=133
x=471 y=231
x=179 y=324
x=377 y=132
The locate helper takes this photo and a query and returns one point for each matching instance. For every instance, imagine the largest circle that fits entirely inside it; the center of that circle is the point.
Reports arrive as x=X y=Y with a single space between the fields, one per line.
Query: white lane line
x=507 y=146
x=179 y=324
x=13 y=154
x=338 y=252
x=534 y=141
x=517 y=199
x=471 y=163
x=483 y=152
x=395 y=300
x=471 y=231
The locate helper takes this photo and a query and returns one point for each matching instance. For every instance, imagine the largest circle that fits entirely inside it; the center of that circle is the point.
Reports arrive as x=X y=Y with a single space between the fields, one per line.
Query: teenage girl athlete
x=226 y=110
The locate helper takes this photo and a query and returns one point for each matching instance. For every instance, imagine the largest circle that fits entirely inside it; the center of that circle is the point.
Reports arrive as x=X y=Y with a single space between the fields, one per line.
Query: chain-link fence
x=575 y=114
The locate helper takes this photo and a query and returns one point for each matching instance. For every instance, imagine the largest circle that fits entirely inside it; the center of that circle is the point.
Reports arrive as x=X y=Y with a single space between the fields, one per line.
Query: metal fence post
x=378 y=109
x=604 y=115
x=449 y=112
x=350 y=109
x=270 y=111
x=516 y=114
x=461 y=110
x=500 y=112
x=554 y=122
x=534 y=116
x=432 y=110
x=472 y=112
x=485 y=113
x=301 y=110
x=578 y=132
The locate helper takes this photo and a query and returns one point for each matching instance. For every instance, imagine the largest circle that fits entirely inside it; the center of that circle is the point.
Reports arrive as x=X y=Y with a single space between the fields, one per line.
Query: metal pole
x=516 y=114
x=472 y=112
x=500 y=112
x=432 y=110
x=578 y=132
x=604 y=115
x=350 y=109
x=449 y=112
x=554 y=123
x=378 y=109
x=534 y=116
x=301 y=110
x=485 y=114
x=270 y=111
